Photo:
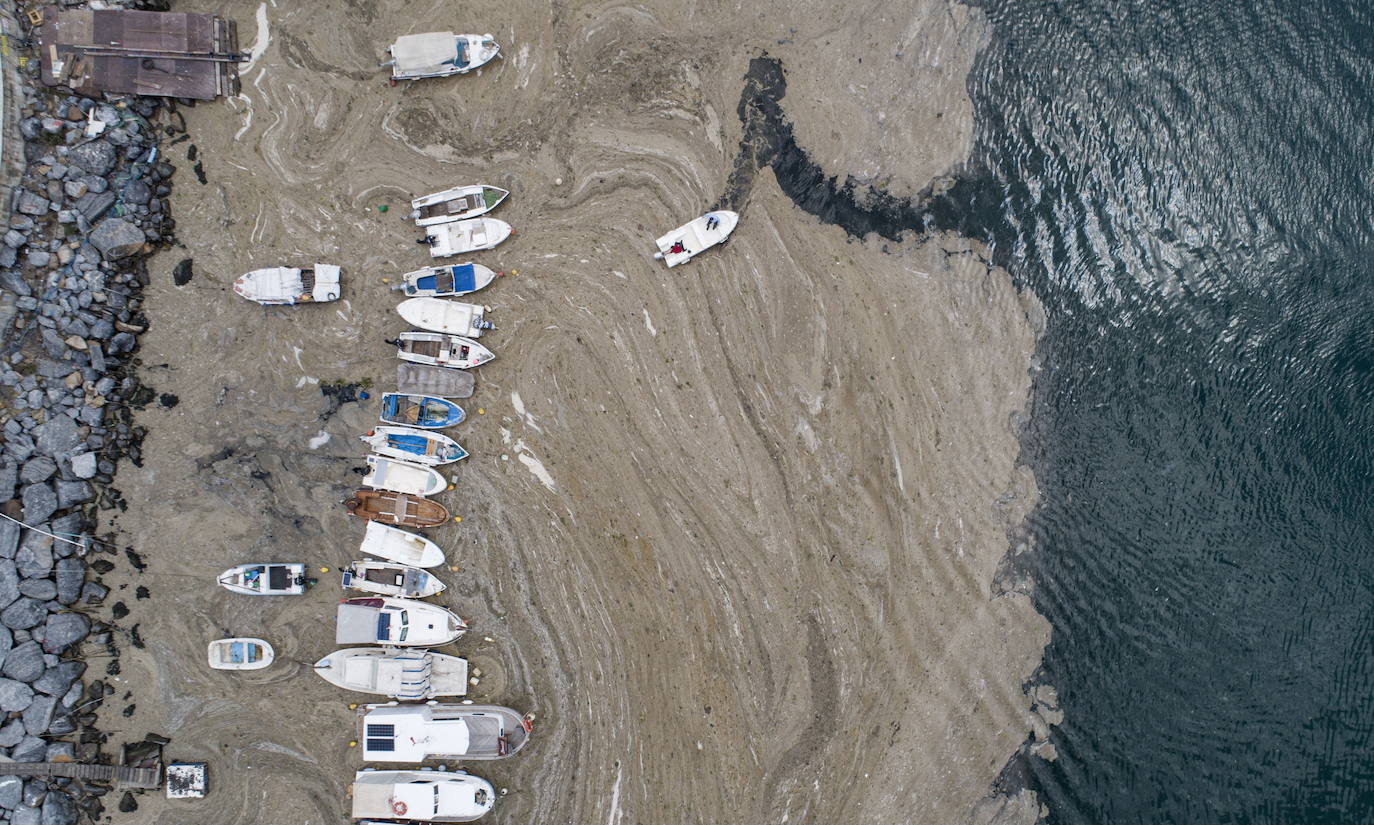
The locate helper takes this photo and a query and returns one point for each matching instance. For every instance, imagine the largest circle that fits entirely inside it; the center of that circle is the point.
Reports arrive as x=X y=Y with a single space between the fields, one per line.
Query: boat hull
x=490 y=732
x=448 y=317
x=397 y=545
x=396 y=509
x=696 y=236
x=240 y=653
x=406 y=675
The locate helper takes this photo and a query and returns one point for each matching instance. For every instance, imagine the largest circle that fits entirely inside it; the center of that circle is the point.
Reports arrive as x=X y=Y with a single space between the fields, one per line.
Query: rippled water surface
x=1187 y=190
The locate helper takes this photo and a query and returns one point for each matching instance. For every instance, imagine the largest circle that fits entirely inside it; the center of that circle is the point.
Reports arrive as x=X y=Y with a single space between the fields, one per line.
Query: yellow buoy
x=457 y=518
x=386 y=280
x=353 y=706
x=451 y=486
x=515 y=272
x=353 y=743
x=454 y=568
x=324 y=569
x=481 y=411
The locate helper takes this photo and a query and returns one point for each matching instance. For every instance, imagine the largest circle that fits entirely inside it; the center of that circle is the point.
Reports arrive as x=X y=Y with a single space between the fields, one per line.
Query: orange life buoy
x=398 y=807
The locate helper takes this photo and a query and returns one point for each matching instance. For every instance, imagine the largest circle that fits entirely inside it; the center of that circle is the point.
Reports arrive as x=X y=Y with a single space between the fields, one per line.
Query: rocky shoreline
x=90 y=206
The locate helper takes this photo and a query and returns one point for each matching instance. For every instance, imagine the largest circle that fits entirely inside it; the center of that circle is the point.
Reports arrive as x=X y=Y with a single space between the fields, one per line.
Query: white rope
x=81 y=543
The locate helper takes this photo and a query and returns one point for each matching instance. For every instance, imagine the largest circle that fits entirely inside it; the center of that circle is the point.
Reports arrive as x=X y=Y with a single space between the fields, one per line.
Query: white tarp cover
x=418 y=52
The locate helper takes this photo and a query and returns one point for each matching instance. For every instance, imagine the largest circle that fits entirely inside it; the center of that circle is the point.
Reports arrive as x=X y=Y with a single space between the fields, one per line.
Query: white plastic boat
x=393 y=732
x=290 y=285
x=441 y=350
x=410 y=444
x=387 y=578
x=440 y=54
x=443 y=315
x=384 y=797
x=386 y=542
x=266 y=579
x=456 y=204
x=692 y=238
x=403 y=477
x=473 y=235
x=408 y=675
x=399 y=622
x=441 y=281
x=240 y=653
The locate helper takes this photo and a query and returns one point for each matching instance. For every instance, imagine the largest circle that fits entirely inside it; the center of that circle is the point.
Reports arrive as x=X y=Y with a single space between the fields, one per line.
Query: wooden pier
x=120 y=776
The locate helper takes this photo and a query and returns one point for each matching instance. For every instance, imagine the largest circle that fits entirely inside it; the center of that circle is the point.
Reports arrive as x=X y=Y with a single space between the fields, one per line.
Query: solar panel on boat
x=381 y=730
x=381 y=745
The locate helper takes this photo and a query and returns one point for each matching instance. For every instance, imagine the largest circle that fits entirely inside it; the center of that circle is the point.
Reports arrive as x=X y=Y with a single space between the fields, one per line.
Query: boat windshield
x=405 y=626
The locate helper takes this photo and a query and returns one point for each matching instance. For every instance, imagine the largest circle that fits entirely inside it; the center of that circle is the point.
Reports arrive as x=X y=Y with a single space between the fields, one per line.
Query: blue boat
x=419 y=446
x=423 y=411
x=442 y=281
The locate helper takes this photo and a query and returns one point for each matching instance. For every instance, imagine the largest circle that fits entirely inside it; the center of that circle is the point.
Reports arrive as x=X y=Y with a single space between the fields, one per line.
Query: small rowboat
x=441 y=281
x=441 y=382
x=472 y=235
x=240 y=654
x=423 y=411
x=290 y=285
x=456 y=204
x=409 y=444
x=692 y=238
x=440 y=54
x=399 y=546
x=442 y=315
x=266 y=579
x=440 y=350
x=387 y=578
x=396 y=508
x=403 y=477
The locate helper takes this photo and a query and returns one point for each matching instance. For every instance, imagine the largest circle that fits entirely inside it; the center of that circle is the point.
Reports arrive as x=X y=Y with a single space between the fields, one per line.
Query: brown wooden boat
x=396 y=508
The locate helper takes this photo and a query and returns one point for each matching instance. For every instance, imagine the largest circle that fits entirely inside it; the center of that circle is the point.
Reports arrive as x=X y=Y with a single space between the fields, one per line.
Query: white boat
x=440 y=382
x=443 y=315
x=413 y=733
x=384 y=797
x=456 y=204
x=387 y=578
x=440 y=54
x=241 y=653
x=386 y=542
x=290 y=285
x=472 y=235
x=694 y=237
x=399 y=622
x=410 y=444
x=266 y=579
x=409 y=675
x=441 y=281
x=403 y=477
x=440 y=350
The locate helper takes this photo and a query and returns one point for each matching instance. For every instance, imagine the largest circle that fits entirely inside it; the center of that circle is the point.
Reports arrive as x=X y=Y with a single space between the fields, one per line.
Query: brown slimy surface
x=731 y=528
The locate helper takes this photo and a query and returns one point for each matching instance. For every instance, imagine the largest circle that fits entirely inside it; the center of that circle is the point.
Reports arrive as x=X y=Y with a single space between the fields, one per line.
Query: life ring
x=398 y=807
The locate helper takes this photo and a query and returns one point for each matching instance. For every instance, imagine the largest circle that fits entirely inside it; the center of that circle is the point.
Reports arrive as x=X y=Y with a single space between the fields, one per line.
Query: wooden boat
x=397 y=622
x=441 y=350
x=408 y=675
x=472 y=235
x=266 y=579
x=397 y=545
x=694 y=237
x=290 y=285
x=387 y=578
x=423 y=411
x=440 y=54
x=443 y=315
x=393 y=732
x=446 y=281
x=383 y=797
x=403 y=477
x=240 y=653
x=442 y=382
x=456 y=204
x=396 y=508
x=419 y=446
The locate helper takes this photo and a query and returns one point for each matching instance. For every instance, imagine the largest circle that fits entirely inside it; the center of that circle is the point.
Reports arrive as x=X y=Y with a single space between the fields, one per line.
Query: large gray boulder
x=11 y=787
x=117 y=238
x=38 y=715
x=70 y=578
x=58 y=437
x=23 y=614
x=27 y=814
x=14 y=696
x=34 y=558
x=9 y=539
x=64 y=630
x=59 y=678
x=39 y=502
x=24 y=663
x=9 y=584
x=96 y=157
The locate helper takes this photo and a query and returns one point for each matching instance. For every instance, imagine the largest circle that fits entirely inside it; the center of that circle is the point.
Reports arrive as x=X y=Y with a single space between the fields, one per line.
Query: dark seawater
x=1189 y=189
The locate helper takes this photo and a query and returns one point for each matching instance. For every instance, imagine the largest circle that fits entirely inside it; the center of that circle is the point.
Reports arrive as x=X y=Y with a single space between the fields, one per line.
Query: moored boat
x=446 y=281
x=440 y=350
x=456 y=204
x=387 y=578
x=425 y=412
x=266 y=579
x=384 y=797
x=240 y=653
x=290 y=285
x=694 y=237
x=399 y=546
x=410 y=444
x=408 y=675
x=403 y=477
x=427 y=379
x=399 y=622
x=472 y=235
x=442 y=315
x=400 y=509
x=393 y=732
x=440 y=54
